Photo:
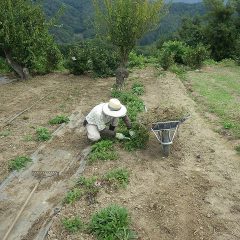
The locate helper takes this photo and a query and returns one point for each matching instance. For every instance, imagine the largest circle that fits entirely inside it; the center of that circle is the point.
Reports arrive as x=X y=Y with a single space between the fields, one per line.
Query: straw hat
x=114 y=108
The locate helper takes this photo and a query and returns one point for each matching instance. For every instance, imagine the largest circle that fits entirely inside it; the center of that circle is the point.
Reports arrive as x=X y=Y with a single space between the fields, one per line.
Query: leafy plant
x=136 y=60
x=179 y=70
x=72 y=196
x=18 y=163
x=237 y=148
x=138 y=88
x=28 y=138
x=43 y=134
x=102 y=150
x=117 y=178
x=5 y=133
x=59 y=119
x=111 y=223
x=140 y=138
x=73 y=224
x=228 y=125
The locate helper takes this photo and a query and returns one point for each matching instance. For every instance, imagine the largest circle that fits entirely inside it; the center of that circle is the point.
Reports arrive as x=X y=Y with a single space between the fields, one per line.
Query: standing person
x=103 y=119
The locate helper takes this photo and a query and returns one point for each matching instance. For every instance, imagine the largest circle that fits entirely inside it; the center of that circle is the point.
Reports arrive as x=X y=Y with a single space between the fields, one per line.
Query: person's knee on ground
x=93 y=133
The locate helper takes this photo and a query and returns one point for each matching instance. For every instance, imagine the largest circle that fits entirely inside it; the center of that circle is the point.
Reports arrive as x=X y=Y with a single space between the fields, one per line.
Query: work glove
x=132 y=133
x=120 y=136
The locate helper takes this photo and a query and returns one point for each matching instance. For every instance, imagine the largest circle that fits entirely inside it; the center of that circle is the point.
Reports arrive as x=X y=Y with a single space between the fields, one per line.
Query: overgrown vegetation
x=103 y=150
x=138 y=88
x=18 y=163
x=73 y=225
x=117 y=178
x=112 y=223
x=43 y=134
x=59 y=120
x=73 y=196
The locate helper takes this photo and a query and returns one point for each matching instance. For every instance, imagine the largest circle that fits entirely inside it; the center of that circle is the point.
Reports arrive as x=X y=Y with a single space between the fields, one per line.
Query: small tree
x=25 y=38
x=124 y=22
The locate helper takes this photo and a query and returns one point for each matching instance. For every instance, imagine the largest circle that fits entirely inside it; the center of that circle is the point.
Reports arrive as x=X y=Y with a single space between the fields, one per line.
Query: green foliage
x=73 y=225
x=103 y=150
x=89 y=185
x=124 y=22
x=194 y=57
x=18 y=163
x=96 y=56
x=117 y=178
x=111 y=223
x=4 y=67
x=138 y=88
x=24 y=35
x=139 y=140
x=237 y=148
x=72 y=196
x=166 y=59
x=136 y=60
x=43 y=134
x=59 y=119
x=179 y=70
x=133 y=103
x=228 y=125
x=5 y=133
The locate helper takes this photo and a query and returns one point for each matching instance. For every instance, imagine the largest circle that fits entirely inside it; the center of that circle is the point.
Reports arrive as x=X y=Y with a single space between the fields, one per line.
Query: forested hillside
x=76 y=21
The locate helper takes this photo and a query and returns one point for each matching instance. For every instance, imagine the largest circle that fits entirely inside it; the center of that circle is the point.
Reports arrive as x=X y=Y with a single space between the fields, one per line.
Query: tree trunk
x=21 y=71
x=121 y=74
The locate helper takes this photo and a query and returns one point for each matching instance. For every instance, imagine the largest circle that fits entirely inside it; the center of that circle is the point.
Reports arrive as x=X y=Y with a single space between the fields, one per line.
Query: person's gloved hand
x=120 y=136
x=132 y=133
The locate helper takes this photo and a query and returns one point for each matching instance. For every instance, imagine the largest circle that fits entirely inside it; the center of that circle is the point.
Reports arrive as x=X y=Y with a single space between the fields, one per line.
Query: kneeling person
x=103 y=119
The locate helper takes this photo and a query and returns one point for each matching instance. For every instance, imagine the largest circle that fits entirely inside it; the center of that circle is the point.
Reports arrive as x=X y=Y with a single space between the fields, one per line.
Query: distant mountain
x=77 y=19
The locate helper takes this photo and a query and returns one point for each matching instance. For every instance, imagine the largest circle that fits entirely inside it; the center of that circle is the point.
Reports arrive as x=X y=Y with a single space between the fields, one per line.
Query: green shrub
x=194 y=57
x=43 y=134
x=117 y=178
x=72 y=196
x=139 y=140
x=111 y=223
x=102 y=150
x=136 y=60
x=78 y=59
x=4 y=67
x=18 y=163
x=103 y=58
x=138 y=88
x=166 y=59
x=73 y=225
x=59 y=119
x=133 y=103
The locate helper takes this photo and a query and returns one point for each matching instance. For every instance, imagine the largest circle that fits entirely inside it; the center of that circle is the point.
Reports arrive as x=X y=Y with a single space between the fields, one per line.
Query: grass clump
x=4 y=133
x=59 y=120
x=89 y=186
x=117 y=178
x=43 y=134
x=111 y=223
x=237 y=148
x=138 y=89
x=72 y=196
x=73 y=225
x=102 y=150
x=18 y=163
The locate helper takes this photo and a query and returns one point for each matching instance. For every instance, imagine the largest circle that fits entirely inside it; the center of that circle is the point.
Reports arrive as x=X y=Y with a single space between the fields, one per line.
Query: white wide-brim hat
x=114 y=108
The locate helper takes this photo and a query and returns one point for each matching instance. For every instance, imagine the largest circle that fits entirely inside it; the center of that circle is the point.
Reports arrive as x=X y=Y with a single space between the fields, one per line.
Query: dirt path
x=192 y=195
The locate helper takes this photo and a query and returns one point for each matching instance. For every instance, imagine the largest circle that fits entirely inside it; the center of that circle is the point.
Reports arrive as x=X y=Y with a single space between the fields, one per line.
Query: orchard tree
x=124 y=22
x=25 y=39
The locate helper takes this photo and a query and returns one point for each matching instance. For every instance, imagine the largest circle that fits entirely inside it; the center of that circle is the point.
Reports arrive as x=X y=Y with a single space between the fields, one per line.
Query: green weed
x=111 y=223
x=228 y=125
x=59 y=120
x=28 y=138
x=237 y=148
x=43 y=134
x=5 y=133
x=117 y=178
x=18 y=163
x=179 y=70
x=138 y=89
x=72 y=196
x=73 y=225
x=102 y=150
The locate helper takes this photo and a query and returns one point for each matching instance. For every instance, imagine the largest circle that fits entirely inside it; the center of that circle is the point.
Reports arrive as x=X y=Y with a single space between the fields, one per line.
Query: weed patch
x=59 y=120
x=138 y=89
x=43 y=134
x=73 y=225
x=102 y=150
x=18 y=163
x=237 y=148
x=73 y=196
x=4 y=133
x=117 y=178
x=111 y=223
